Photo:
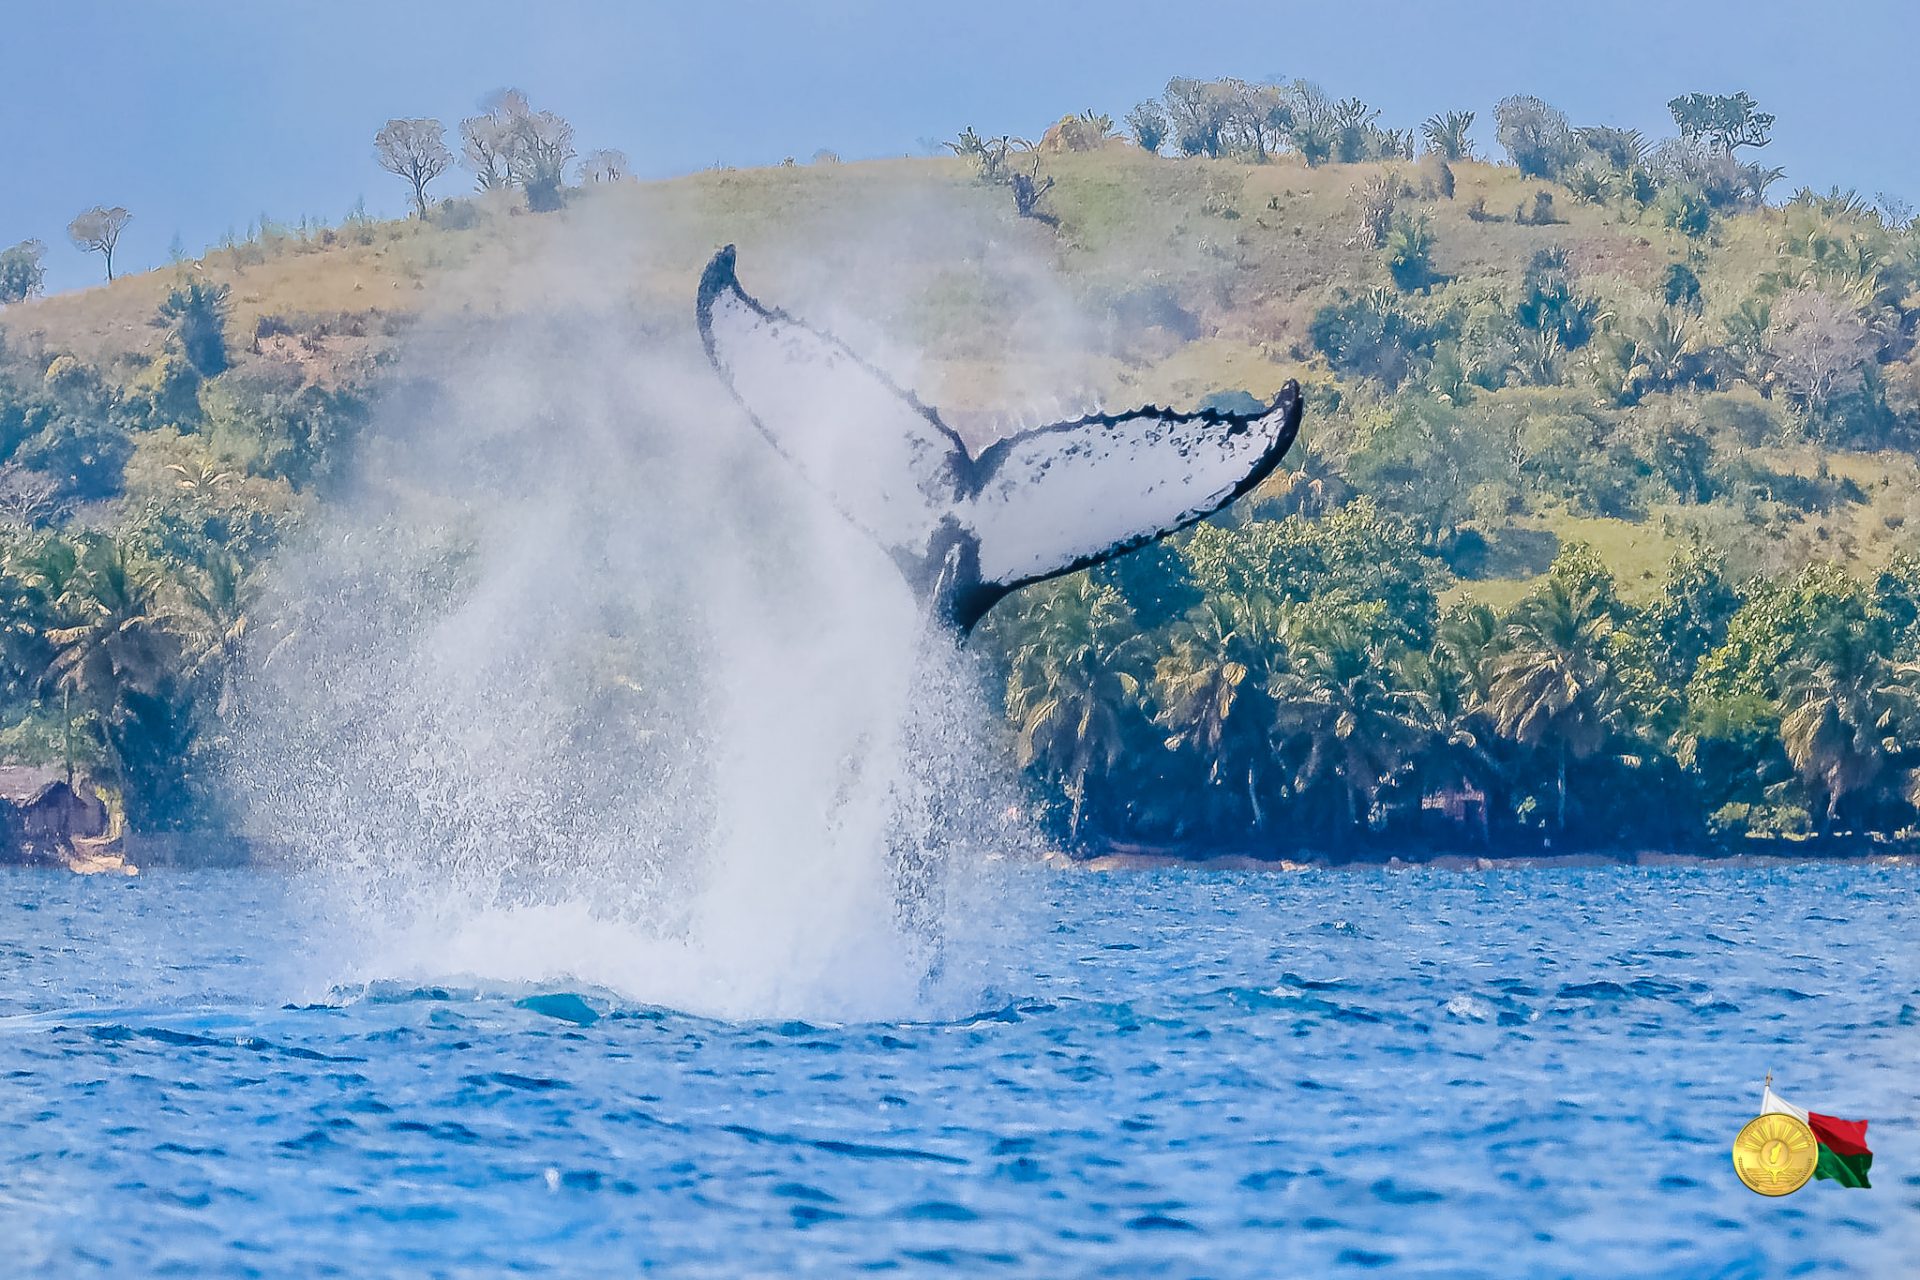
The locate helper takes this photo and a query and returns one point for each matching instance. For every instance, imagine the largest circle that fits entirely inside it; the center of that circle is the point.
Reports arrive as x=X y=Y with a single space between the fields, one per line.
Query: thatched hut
x=42 y=813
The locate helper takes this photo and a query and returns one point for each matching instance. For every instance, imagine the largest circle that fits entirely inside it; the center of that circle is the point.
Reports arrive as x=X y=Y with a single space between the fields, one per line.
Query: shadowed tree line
x=1314 y=694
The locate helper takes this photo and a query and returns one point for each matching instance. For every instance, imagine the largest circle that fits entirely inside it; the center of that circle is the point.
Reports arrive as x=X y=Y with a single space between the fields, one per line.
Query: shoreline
x=130 y=857
x=1135 y=859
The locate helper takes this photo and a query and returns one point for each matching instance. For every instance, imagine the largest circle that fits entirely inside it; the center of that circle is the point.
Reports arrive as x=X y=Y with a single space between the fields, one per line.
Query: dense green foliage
x=1318 y=696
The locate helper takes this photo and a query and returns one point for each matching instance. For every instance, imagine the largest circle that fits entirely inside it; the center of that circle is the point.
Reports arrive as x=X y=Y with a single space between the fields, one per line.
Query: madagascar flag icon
x=1843 y=1143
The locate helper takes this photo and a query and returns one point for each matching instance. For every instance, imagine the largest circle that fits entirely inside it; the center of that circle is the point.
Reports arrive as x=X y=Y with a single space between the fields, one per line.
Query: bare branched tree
x=513 y=145
x=1819 y=346
x=541 y=148
x=415 y=150
x=98 y=231
x=485 y=141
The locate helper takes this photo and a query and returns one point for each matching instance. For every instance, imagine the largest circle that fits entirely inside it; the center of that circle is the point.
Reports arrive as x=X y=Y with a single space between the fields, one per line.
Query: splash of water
x=578 y=686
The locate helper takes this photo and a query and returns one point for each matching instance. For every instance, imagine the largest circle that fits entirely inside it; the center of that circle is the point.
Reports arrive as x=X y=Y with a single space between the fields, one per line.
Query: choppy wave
x=1187 y=1075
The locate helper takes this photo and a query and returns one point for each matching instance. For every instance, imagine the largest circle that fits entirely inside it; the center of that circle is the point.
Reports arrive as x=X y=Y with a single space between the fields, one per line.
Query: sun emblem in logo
x=1775 y=1154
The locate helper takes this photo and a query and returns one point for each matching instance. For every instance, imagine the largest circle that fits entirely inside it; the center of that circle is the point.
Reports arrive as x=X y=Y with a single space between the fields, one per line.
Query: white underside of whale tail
x=1028 y=507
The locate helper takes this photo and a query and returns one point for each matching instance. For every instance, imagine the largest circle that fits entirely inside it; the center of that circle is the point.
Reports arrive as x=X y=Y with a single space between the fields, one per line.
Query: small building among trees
x=42 y=814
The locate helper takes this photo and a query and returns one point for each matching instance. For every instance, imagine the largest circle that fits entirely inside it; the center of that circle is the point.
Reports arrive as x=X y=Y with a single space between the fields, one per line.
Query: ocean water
x=1505 y=1073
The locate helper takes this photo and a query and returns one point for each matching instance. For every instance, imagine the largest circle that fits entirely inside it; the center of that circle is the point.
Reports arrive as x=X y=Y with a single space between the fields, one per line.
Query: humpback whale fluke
x=967 y=529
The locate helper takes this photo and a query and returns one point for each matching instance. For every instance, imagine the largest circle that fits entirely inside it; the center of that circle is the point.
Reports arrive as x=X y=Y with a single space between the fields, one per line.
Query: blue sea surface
x=1519 y=1072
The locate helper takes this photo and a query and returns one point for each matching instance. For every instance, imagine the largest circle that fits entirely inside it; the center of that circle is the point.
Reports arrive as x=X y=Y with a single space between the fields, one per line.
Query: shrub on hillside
x=457 y=215
x=1685 y=209
x=196 y=313
x=164 y=394
x=1371 y=336
x=1149 y=125
x=1408 y=252
x=271 y=420
x=22 y=271
x=1682 y=287
x=1425 y=463
x=1550 y=301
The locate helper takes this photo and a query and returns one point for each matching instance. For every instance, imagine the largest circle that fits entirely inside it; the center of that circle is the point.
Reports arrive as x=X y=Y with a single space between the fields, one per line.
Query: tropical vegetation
x=1601 y=532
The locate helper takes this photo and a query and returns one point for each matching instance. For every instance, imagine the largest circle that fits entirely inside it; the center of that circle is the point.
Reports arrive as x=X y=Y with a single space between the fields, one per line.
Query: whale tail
x=968 y=528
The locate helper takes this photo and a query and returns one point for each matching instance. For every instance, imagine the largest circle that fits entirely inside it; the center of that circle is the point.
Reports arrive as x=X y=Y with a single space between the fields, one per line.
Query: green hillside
x=1539 y=393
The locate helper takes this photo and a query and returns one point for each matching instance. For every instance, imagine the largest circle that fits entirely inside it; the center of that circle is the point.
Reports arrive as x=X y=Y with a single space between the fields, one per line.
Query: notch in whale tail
x=968 y=528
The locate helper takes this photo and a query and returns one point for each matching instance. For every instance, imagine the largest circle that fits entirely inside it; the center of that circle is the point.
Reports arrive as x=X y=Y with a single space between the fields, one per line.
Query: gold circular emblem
x=1775 y=1154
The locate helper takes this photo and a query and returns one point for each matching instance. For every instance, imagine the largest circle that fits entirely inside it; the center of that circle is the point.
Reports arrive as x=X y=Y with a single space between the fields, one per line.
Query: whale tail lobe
x=967 y=529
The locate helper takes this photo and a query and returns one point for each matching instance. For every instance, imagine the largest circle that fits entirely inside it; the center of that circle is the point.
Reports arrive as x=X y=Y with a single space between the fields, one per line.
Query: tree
x=1447 y=135
x=113 y=653
x=1818 y=346
x=1424 y=463
x=1359 y=558
x=1555 y=687
x=1536 y=136
x=1682 y=287
x=1727 y=120
x=540 y=149
x=1656 y=352
x=1211 y=695
x=989 y=155
x=1068 y=687
x=1408 y=252
x=415 y=150
x=1620 y=150
x=1684 y=207
x=97 y=230
x=1029 y=189
x=488 y=141
x=196 y=312
x=1446 y=689
x=217 y=601
x=1550 y=303
x=1353 y=130
x=1376 y=197
x=1149 y=125
x=1341 y=721
x=1846 y=719
x=1689 y=619
x=1200 y=112
x=485 y=141
x=604 y=165
x=22 y=271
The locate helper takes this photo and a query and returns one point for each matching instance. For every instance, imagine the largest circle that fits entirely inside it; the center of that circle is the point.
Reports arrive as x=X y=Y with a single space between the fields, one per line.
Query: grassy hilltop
x=1615 y=380
x=1167 y=280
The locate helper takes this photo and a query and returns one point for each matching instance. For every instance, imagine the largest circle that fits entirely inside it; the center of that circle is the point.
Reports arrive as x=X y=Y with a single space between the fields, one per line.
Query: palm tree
x=117 y=658
x=1657 y=352
x=1068 y=687
x=1747 y=329
x=34 y=574
x=1446 y=690
x=1446 y=134
x=1537 y=355
x=1555 y=686
x=1340 y=719
x=217 y=600
x=1847 y=714
x=1210 y=694
x=114 y=637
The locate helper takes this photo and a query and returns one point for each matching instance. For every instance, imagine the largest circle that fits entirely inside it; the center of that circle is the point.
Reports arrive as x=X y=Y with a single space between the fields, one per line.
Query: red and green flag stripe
x=1844 y=1156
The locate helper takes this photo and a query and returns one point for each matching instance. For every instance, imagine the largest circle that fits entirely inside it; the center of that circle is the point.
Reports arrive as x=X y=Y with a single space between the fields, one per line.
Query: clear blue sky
x=201 y=116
